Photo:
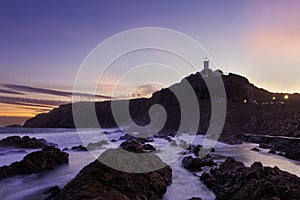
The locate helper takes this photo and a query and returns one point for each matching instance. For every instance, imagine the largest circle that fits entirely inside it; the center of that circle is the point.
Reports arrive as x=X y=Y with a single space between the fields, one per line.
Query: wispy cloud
x=31 y=102
x=3 y=91
x=23 y=88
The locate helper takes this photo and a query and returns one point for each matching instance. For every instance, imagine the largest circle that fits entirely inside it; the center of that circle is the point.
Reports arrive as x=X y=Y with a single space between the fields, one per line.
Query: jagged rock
x=79 y=148
x=196 y=164
x=99 y=181
x=232 y=180
x=35 y=162
x=265 y=146
x=231 y=139
x=136 y=146
x=97 y=145
x=195 y=198
x=24 y=142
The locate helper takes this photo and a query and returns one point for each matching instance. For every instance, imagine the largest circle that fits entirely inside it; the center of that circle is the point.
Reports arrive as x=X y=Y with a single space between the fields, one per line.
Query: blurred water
x=184 y=183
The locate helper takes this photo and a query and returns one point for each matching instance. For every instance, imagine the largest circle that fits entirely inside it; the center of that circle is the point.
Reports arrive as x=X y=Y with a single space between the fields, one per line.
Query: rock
x=265 y=146
x=24 y=142
x=168 y=139
x=281 y=154
x=127 y=137
x=136 y=146
x=79 y=148
x=99 y=181
x=53 y=191
x=113 y=140
x=231 y=139
x=255 y=149
x=232 y=180
x=14 y=126
x=196 y=164
x=272 y=152
x=195 y=198
x=293 y=154
x=35 y=162
x=97 y=145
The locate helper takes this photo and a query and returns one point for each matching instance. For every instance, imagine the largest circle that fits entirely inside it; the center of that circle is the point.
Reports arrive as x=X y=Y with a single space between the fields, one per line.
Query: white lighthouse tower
x=206 y=70
x=206 y=64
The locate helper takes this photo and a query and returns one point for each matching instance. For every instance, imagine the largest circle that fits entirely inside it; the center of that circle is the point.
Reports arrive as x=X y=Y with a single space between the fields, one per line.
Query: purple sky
x=43 y=43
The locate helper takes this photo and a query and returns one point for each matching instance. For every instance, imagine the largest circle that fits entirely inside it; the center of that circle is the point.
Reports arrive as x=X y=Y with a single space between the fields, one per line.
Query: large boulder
x=232 y=180
x=35 y=162
x=196 y=164
x=24 y=142
x=102 y=182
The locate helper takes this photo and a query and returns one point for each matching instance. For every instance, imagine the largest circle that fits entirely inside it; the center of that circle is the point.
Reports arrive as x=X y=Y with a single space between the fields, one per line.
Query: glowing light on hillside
x=274 y=98
x=286 y=97
x=245 y=101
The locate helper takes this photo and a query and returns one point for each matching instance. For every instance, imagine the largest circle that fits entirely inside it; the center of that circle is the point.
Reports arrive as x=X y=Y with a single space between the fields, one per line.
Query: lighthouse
x=206 y=64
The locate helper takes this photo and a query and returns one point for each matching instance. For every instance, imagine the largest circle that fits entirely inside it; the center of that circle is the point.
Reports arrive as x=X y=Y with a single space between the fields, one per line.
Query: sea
x=185 y=184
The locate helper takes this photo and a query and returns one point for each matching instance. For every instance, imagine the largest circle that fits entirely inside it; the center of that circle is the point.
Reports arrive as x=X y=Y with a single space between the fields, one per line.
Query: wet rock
x=52 y=192
x=97 y=145
x=99 y=181
x=196 y=164
x=79 y=148
x=231 y=139
x=24 y=142
x=265 y=146
x=293 y=154
x=168 y=139
x=232 y=180
x=136 y=146
x=272 y=152
x=113 y=140
x=126 y=137
x=35 y=162
x=255 y=149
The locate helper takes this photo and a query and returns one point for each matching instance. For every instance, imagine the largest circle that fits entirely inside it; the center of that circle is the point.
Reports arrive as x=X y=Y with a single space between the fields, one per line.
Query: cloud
x=31 y=102
x=23 y=88
x=10 y=92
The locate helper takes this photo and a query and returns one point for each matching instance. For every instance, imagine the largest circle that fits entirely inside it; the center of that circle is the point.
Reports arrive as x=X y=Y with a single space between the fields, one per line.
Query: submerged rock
x=35 y=162
x=24 y=142
x=232 y=180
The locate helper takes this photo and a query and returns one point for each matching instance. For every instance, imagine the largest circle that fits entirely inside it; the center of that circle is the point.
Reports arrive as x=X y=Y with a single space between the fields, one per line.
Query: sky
x=43 y=44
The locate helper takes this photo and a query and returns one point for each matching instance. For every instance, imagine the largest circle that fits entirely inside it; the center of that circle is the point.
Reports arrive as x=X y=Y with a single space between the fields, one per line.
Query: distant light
x=286 y=96
x=274 y=98
x=245 y=101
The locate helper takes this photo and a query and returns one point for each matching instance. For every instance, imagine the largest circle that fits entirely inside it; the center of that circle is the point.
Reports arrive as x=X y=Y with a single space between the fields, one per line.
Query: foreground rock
x=24 y=142
x=35 y=162
x=99 y=181
x=232 y=180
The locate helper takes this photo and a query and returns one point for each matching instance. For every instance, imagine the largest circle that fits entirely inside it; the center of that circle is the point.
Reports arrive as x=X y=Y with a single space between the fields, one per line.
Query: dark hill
x=259 y=108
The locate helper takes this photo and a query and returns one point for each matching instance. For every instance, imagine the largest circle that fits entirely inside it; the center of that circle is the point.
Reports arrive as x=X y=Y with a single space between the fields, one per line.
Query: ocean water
x=184 y=185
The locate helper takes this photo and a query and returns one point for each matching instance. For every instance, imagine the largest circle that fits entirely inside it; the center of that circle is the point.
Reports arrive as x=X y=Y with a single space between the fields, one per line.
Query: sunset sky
x=43 y=43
